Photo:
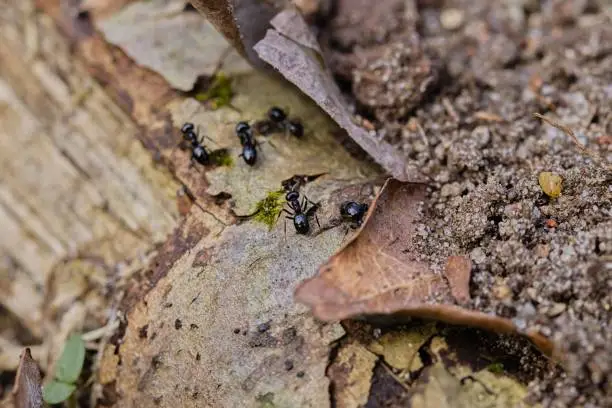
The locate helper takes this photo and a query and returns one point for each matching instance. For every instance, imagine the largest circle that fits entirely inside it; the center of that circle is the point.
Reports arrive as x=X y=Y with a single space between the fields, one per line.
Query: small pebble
x=451 y=18
x=300 y=374
x=478 y=256
x=263 y=327
x=551 y=223
x=178 y=324
x=556 y=309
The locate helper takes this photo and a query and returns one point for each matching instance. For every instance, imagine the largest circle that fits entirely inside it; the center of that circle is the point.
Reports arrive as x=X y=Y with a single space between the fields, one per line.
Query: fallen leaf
x=180 y=46
x=289 y=49
x=27 y=392
x=457 y=273
x=351 y=373
x=242 y=22
x=399 y=348
x=377 y=273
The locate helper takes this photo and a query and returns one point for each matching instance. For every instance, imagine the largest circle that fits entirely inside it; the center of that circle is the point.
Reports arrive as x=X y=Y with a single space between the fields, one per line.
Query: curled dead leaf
x=457 y=273
x=377 y=273
x=28 y=389
x=292 y=49
x=242 y=22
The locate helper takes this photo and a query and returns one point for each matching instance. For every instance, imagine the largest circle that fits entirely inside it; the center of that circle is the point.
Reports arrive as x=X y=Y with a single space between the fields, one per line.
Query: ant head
x=292 y=196
x=187 y=128
x=242 y=127
x=296 y=128
x=276 y=114
x=190 y=136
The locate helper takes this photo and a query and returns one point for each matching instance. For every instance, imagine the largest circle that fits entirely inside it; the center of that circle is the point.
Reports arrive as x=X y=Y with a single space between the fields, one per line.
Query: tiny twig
x=395 y=377
x=450 y=109
x=569 y=132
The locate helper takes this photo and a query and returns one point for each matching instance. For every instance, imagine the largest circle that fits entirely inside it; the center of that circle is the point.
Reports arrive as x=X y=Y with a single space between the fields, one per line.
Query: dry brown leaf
x=28 y=389
x=457 y=273
x=400 y=348
x=242 y=22
x=290 y=50
x=351 y=374
x=377 y=273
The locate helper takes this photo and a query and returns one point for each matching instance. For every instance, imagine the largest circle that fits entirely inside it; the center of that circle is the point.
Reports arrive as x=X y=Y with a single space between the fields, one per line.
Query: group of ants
x=277 y=121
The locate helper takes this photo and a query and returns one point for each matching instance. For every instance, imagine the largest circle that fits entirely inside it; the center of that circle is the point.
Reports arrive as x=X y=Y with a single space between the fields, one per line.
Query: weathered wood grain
x=75 y=179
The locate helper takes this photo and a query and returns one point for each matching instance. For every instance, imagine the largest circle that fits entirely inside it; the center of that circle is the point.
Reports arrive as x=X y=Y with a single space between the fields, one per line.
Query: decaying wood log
x=75 y=179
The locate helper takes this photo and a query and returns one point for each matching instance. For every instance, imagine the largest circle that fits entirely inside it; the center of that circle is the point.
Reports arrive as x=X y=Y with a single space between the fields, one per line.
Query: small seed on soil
x=550 y=183
x=502 y=291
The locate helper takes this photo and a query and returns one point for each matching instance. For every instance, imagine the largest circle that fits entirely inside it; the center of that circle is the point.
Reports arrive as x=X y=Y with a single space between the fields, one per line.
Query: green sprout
x=219 y=93
x=495 y=368
x=269 y=208
x=67 y=371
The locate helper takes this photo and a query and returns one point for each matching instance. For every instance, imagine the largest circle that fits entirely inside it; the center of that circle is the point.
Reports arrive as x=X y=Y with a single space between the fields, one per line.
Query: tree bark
x=76 y=182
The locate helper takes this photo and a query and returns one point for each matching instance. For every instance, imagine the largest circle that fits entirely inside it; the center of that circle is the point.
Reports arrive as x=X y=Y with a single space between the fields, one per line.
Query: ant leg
x=345 y=234
x=281 y=213
x=311 y=203
x=317 y=219
x=213 y=142
x=193 y=163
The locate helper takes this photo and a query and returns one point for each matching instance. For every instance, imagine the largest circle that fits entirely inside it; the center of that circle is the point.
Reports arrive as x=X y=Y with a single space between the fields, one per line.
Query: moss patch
x=495 y=368
x=221 y=157
x=269 y=208
x=219 y=93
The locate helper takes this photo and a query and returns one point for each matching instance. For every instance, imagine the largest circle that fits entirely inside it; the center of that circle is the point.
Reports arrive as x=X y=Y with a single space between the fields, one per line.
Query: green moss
x=221 y=157
x=219 y=93
x=269 y=208
x=495 y=368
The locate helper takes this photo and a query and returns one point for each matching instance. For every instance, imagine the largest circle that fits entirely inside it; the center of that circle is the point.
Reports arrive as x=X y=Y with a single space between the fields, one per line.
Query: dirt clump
x=456 y=91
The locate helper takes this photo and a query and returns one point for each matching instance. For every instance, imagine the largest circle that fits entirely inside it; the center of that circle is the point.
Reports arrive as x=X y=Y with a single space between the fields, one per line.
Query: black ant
x=354 y=212
x=277 y=121
x=248 y=142
x=300 y=213
x=198 y=151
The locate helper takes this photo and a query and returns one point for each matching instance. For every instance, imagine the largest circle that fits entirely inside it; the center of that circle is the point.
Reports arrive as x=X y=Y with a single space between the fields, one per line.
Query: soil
x=456 y=90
